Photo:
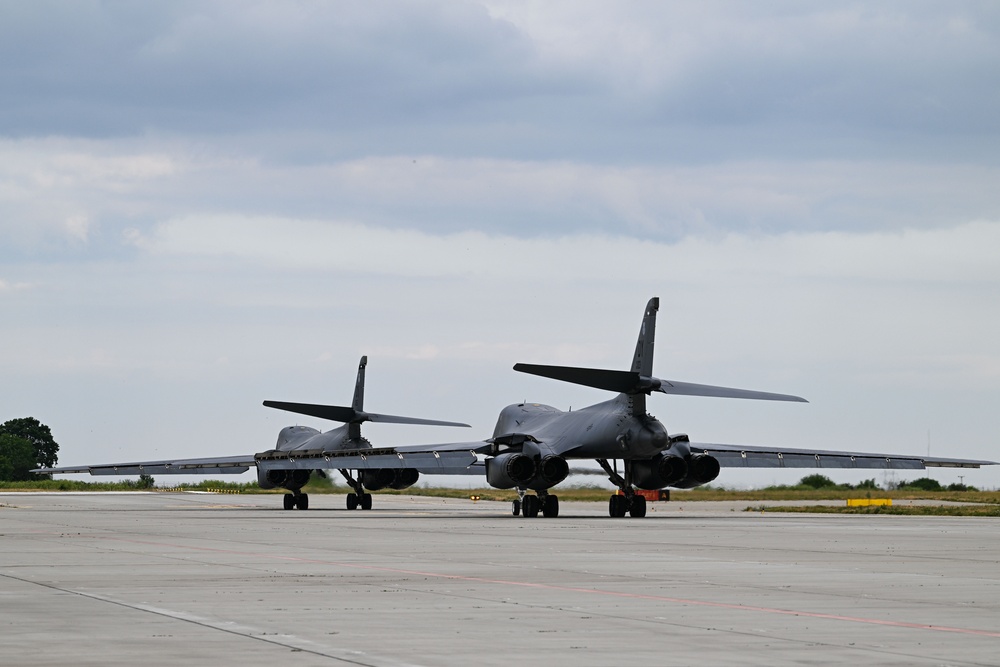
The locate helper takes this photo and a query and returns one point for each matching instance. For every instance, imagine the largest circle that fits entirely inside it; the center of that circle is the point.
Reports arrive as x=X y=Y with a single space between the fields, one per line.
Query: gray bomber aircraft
x=532 y=444
x=342 y=448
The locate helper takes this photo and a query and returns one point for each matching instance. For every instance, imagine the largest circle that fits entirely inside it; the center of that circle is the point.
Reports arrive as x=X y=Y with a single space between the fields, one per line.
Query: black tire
x=303 y=501
x=551 y=507
x=516 y=507
x=366 y=501
x=529 y=506
x=352 y=501
x=289 y=501
x=638 y=508
x=617 y=506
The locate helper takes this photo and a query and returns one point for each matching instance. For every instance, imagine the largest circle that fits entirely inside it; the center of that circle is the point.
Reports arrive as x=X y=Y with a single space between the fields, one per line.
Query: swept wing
x=224 y=465
x=746 y=456
x=419 y=458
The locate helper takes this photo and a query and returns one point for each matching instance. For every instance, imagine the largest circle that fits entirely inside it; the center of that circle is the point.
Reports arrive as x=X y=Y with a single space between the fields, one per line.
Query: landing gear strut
x=627 y=501
x=357 y=498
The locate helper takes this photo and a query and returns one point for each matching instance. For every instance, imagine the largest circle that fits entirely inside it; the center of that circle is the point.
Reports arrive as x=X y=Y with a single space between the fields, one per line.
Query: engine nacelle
x=293 y=480
x=702 y=469
x=377 y=479
x=550 y=471
x=509 y=470
x=659 y=472
x=404 y=478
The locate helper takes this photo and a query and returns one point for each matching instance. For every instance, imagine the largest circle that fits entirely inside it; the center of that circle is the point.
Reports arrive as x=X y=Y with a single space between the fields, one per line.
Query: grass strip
x=907 y=510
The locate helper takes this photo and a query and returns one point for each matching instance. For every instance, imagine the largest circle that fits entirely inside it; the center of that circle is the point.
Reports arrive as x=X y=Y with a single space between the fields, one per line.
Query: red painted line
x=586 y=591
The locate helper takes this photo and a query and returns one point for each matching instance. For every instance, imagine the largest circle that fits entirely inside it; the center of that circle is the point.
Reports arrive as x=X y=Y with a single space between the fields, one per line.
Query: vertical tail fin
x=359 y=387
x=642 y=361
x=354 y=427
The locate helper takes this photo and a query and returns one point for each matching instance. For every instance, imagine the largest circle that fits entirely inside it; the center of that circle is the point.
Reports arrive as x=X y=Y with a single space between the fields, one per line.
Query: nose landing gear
x=627 y=501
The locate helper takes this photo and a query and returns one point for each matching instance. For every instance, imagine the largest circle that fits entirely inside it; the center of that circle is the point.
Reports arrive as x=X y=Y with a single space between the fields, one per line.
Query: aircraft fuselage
x=607 y=430
x=303 y=438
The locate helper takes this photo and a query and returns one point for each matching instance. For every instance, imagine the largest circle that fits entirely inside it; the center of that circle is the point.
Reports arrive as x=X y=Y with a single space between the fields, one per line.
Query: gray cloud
x=637 y=82
x=79 y=197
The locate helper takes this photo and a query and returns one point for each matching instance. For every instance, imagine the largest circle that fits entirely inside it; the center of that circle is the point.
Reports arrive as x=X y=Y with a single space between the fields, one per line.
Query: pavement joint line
x=586 y=591
x=233 y=629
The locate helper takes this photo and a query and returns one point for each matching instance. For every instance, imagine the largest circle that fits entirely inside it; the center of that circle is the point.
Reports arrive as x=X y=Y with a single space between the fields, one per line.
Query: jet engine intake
x=293 y=480
x=550 y=471
x=659 y=472
x=702 y=469
x=510 y=469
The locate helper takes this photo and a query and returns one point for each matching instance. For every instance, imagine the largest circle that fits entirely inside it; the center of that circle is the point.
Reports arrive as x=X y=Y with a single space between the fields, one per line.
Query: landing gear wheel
x=352 y=501
x=529 y=506
x=516 y=506
x=617 y=506
x=550 y=508
x=366 y=501
x=637 y=509
x=289 y=501
x=303 y=501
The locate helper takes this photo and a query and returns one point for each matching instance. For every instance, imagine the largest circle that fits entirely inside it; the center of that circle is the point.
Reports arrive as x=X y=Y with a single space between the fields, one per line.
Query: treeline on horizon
x=815 y=486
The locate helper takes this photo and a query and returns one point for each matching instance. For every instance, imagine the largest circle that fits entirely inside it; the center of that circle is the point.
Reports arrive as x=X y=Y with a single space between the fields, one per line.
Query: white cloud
x=78 y=227
x=109 y=187
x=963 y=254
x=7 y=286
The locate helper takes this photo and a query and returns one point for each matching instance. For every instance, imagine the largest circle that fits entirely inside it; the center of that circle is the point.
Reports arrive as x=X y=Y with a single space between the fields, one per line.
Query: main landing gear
x=357 y=498
x=619 y=506
x=627 y=501
x=296 y=499
x=529 y=506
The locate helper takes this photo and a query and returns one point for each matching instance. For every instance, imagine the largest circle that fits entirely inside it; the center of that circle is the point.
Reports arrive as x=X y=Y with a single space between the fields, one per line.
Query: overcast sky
x=208 y=204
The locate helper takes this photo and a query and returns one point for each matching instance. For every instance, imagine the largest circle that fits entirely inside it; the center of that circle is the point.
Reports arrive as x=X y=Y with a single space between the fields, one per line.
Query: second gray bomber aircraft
x=531 y=445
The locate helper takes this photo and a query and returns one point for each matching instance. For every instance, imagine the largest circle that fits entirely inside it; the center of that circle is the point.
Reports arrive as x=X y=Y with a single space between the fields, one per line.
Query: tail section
x=639 y=381
x=354 y=415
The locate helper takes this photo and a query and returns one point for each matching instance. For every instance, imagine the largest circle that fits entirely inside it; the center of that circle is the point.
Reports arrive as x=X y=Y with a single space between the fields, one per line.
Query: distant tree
x=817 y=481
x=924 y=484
x=46 y=451
x=17 y=458
x=146 y=482
x=961 y=487
x=867 y=484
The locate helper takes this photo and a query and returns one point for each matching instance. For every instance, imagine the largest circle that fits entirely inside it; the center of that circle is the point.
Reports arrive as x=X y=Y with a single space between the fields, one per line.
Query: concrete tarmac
x=195 y=579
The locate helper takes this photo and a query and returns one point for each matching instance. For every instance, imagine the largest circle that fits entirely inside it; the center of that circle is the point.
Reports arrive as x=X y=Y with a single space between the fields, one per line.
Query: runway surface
x=177 y=578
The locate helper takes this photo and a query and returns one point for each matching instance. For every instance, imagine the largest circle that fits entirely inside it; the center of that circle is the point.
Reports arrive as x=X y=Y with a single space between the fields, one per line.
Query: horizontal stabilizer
x=393 y=419
x=690 y=389
x=631 y=382
x=331 y=412
x=622 y=382
x=351 y=416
